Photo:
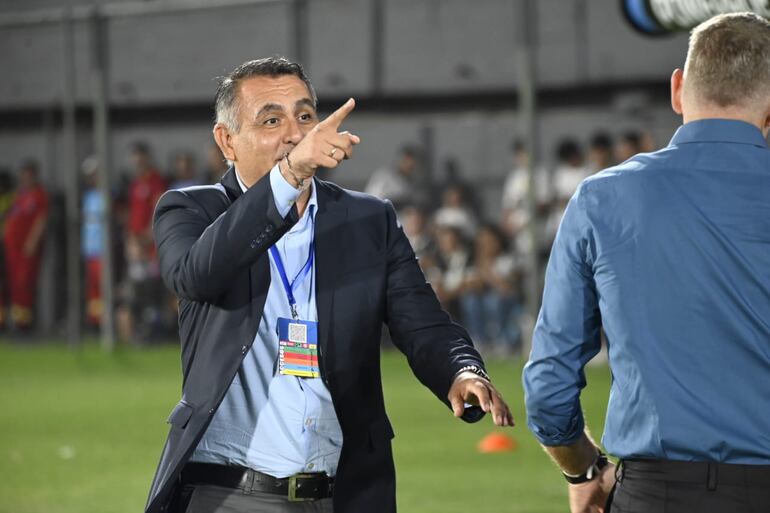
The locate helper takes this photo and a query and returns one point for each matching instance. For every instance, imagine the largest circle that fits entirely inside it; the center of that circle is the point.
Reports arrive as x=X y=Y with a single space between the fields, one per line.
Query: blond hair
x=728 y=60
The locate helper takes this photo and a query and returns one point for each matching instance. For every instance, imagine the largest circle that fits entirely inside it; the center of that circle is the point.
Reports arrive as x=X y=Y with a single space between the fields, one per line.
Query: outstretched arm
x=437 y=348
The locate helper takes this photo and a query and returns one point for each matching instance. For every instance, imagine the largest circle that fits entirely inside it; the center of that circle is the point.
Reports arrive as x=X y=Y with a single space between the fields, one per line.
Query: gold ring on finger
x=334 y=150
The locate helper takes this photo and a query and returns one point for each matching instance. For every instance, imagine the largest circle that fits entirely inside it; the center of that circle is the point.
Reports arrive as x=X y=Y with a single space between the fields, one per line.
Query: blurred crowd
x=145 y=311
x=476 y=262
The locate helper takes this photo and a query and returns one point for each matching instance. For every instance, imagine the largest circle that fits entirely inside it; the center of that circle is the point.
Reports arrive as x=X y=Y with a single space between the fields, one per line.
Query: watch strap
x=593 y=471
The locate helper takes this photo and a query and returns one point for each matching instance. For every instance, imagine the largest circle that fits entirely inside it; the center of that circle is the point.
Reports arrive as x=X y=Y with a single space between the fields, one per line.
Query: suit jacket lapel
x=329 y=223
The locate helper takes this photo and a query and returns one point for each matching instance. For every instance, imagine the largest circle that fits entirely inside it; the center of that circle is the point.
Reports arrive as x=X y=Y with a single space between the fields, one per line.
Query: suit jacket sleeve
x=435 y=347
x=204 y=241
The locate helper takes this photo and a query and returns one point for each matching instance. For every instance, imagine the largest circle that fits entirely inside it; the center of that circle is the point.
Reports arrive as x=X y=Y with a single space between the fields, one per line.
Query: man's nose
x=294 y=132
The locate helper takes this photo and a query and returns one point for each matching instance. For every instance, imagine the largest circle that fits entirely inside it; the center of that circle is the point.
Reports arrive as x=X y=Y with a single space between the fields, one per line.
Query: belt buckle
x=294 y=484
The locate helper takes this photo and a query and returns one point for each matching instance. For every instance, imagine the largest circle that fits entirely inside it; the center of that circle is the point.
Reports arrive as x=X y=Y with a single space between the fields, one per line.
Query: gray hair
x=227 y=102
x=728 y=60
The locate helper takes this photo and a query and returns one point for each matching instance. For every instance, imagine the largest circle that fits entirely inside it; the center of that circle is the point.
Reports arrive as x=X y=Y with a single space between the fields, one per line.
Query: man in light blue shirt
x=285 y=282
x=669 y=253
x=277 y=424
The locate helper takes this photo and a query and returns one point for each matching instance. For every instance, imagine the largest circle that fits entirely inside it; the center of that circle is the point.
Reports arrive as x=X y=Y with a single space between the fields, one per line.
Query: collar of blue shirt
x=719 y=130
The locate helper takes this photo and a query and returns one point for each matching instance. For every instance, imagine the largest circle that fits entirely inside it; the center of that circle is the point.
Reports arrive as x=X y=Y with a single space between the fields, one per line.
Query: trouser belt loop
x=711 y=480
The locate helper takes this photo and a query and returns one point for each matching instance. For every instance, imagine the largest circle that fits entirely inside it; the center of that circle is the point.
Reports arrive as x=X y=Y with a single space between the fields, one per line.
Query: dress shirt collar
x=719 y=130
x=313 y=195
x=240 y=182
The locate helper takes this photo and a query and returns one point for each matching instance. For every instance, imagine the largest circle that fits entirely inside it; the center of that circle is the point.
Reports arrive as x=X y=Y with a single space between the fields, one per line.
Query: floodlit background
x=478 y=119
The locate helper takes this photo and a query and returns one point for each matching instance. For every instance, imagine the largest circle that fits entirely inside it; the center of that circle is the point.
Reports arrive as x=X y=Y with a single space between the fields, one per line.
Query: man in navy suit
x=284 y=284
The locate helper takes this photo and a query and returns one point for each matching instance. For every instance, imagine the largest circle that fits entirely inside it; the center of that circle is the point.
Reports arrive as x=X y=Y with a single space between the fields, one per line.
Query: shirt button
x=310 y=466
x=308 y=422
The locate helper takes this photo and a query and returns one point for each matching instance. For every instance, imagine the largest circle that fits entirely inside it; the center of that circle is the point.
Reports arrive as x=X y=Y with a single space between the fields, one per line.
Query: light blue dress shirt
x=670 y=252
x=276 y=424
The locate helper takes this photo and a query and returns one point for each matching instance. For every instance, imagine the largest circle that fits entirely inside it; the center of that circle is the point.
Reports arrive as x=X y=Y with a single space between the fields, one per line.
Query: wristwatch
x=589 y=475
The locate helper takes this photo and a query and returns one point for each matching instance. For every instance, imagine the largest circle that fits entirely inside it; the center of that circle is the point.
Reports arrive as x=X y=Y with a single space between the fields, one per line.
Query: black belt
x=706 y=472
x=299 y=487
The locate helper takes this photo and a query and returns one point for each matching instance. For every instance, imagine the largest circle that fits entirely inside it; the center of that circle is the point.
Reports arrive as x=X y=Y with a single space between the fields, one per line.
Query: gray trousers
x=216 y=499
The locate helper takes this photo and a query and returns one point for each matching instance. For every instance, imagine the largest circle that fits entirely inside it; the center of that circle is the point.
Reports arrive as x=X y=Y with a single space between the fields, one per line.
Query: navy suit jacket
x=212 y=242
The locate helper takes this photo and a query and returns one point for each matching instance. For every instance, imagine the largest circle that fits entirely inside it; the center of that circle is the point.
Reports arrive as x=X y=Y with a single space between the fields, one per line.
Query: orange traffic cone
x=497 y=442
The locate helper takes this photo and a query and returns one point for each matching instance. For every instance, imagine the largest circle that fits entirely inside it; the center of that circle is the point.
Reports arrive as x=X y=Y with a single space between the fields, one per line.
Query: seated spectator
x=600 y=152
x=453 y=264
x=455 y=211
x=453 y=177
x=629 y=144
x=490 y=303
x=415 y=223
x=515 y=215
x=569 y=172
x=401 y=184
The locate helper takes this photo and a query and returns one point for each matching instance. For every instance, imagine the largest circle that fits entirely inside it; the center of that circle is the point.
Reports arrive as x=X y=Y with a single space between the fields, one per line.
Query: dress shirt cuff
x=553 y=436
x=284 y=194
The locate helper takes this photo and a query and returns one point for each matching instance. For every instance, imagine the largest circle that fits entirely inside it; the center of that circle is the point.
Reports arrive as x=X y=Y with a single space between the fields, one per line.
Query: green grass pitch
x=81 y=432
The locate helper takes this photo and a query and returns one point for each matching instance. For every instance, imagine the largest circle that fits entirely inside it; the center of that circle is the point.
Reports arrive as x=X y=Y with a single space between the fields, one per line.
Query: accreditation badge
x=298 y=348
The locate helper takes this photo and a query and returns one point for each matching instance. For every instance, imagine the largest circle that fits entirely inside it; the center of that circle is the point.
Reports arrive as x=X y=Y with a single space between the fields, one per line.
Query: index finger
x=500 y=410
x=336 y=118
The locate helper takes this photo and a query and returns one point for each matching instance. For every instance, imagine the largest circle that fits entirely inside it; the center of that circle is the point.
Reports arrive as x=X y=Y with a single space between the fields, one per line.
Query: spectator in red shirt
x=22 y=241
x=142 y=287
x=143 y=193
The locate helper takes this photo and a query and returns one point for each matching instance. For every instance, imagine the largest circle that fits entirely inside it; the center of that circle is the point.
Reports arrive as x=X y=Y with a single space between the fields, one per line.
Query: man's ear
x=677 y=81
x=224 y=141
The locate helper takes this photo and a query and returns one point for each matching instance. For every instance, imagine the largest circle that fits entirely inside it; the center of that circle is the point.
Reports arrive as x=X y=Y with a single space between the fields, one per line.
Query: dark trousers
x=658 y=486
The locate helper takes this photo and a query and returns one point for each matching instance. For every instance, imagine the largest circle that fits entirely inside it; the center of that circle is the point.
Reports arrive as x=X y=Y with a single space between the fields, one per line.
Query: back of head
x=728 y=61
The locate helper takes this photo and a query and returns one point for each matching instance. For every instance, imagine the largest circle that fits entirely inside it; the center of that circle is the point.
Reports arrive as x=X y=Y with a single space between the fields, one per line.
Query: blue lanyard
x=302 y=274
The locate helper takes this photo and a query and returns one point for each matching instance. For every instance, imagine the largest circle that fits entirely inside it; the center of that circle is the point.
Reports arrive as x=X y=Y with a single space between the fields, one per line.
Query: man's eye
x=271 y=121
x=305 y=117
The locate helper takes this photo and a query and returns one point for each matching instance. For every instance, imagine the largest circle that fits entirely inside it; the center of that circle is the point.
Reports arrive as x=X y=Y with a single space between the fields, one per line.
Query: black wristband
x=593 y=471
